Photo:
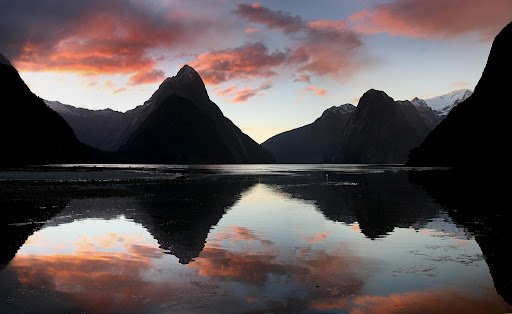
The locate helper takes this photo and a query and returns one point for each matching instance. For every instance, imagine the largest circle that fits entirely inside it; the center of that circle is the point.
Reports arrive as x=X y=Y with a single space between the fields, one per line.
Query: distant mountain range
x=378 y=130
x=180 y=124
x=477 y=130
x=102 y=129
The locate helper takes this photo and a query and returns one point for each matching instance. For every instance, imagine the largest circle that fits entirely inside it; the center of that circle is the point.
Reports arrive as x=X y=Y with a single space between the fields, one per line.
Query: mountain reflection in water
x=283 y=244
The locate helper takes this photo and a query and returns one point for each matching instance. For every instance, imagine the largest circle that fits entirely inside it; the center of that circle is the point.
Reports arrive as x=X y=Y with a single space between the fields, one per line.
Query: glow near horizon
x=403 y=66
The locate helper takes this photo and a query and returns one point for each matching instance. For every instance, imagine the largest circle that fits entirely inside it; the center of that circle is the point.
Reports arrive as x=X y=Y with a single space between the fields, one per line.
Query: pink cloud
x=251 y=30
x=281 y=20
x=226 y=91
x=434 y=18
x=245 y=62
x=243 y=94
x=152 y=76
x=317 y=90
x=103 y=37
x=328 y=51
x=320 y=47
x=302 y=78
x=460 y=84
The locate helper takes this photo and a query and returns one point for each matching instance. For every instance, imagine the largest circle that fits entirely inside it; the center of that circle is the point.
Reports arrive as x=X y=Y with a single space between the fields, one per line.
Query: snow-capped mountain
x=444 y=103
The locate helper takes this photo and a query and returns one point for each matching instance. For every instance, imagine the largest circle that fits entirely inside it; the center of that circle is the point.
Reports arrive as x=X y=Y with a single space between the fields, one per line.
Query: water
x=212 y=239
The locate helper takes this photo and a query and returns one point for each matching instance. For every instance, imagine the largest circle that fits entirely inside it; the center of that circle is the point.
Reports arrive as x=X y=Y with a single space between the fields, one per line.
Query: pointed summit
x=188 y=73
x=381 y=130
x=186 y=83
x=4 y=60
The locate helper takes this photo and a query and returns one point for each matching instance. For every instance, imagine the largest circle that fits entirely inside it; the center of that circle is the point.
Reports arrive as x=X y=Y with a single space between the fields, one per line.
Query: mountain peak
x=339 y=109
x=187 y=71
x=374 y=96
x=371 y=93
x=187 y=83
x=4 y=60
x=444 y=103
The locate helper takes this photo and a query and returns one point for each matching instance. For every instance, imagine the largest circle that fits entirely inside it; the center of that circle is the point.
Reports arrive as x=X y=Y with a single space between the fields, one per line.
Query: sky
x=270 y=66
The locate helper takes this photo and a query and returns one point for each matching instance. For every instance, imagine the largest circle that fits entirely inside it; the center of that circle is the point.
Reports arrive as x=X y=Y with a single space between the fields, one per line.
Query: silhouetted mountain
x=428 y=115
x=477 y=130
x=30 y=132
x=182 y=125
x=98 y=128
x=381 y=130
x=313 y=143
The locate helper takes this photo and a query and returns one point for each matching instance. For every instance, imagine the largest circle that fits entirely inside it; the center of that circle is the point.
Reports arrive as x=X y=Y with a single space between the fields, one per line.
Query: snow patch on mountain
x=444 y=103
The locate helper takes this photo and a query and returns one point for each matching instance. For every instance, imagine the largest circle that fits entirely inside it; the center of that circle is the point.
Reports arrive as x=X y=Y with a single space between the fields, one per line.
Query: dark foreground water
x=217 y=239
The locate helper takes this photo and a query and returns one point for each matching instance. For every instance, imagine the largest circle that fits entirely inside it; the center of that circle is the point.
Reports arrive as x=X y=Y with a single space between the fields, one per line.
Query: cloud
x=460 y=84
x=302 y=78
x=119 y=90
x=147 y=77
x=429 y=301
x=317 y=90
x=328 y=51
x=319 y=237
x=251 y=30
x=245 y=62
x=243 y=94
x=226 y=91
x=320 y=47
x=95 y=37
x=434 y=18
x=281 y=20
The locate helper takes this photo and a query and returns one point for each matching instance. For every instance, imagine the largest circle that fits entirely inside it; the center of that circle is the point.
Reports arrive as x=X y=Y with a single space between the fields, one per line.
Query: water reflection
x=281 y=245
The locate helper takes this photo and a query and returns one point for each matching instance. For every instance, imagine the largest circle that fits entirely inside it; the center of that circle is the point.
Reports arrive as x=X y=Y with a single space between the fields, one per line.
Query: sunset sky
x=269 y=65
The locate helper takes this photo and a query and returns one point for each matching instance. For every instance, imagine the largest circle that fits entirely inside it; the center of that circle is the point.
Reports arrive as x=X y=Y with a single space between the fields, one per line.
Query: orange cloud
x=428 y=301
x=152 y=76
x=328 y=24
x=100 y=37
x=246 y=93
x=317 y=90
x=434 y=18
x=317 y=238
x=93 y=278
x=251 y=30
x=226 y=91
x=248 y=61
x=234 y=266
x=243 y=94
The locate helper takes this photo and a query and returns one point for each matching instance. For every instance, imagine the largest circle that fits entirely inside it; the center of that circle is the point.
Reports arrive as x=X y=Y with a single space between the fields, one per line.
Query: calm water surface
x=325 y=240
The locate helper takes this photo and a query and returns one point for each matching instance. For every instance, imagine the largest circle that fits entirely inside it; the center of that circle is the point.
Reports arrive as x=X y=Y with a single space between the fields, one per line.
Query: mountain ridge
x=30 y=132
x=470 y=135
x=312 y=143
